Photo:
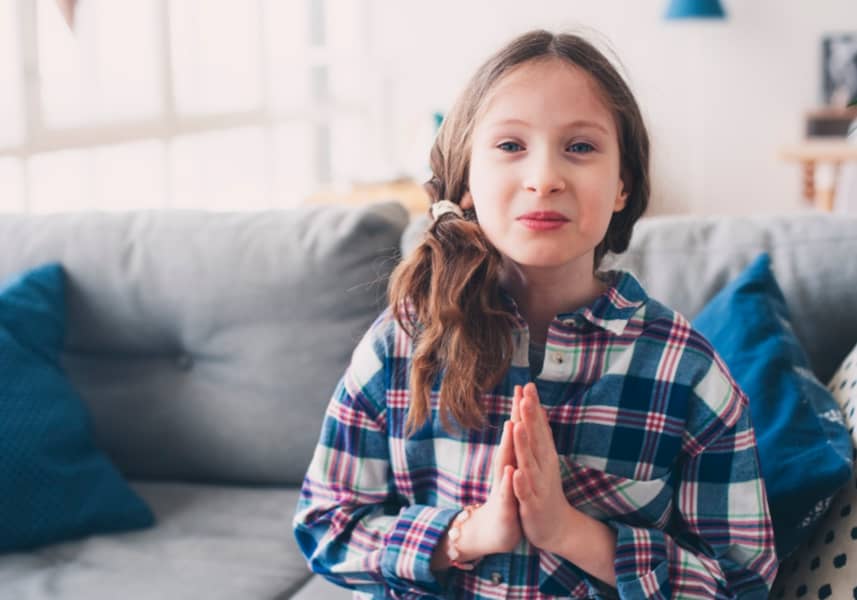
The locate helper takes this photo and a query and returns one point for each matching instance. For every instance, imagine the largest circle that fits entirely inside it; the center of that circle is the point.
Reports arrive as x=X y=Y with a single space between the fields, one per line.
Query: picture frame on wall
x=839 y=69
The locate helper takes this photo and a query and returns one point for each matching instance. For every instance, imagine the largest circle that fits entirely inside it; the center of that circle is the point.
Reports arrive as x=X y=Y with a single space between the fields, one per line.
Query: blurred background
x=255 y=104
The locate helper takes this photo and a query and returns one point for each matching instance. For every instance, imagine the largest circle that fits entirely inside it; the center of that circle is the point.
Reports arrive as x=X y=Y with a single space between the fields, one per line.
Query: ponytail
x=446 y=296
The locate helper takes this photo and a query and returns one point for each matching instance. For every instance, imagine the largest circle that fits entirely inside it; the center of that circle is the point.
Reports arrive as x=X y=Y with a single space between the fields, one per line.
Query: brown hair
x=446 y=293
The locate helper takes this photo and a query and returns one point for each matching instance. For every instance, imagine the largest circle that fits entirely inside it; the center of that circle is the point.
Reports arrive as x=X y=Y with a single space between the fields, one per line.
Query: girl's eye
x=577 y=147
x=509 y=146
x=581 y=148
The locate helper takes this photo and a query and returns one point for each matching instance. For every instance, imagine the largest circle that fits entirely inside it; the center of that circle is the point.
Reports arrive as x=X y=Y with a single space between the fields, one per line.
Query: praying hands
x=542 y=505
x=527 y=500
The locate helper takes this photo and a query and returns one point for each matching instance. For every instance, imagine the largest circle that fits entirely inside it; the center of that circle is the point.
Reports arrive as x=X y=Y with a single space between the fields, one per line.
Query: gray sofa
x=206 y=346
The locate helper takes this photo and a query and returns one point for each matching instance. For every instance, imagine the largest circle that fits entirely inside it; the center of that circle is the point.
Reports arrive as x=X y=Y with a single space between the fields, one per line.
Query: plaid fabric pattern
x=654 y=439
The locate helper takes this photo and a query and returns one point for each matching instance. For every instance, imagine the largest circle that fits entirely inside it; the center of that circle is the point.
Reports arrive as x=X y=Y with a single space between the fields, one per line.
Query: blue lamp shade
x=695 y=9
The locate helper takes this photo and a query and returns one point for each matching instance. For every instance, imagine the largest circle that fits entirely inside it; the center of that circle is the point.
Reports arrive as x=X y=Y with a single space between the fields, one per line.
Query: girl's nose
x=544 y=180
x=546 y=188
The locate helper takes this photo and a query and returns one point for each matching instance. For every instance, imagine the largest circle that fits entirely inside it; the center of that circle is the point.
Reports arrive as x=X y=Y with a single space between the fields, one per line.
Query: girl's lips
x=542 y=220
x=541 y=224
x=543 y=215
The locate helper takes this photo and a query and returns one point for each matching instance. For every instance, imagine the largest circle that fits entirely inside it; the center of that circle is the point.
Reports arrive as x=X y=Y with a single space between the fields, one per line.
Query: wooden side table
x=821 y=159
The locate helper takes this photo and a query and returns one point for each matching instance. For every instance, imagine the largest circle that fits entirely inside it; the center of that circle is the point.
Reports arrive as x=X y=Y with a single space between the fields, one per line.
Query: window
x=211 y=104
x=11 y=111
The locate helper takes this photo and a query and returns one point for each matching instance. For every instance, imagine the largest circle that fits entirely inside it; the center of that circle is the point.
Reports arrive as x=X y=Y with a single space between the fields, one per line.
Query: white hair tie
x=441 y=207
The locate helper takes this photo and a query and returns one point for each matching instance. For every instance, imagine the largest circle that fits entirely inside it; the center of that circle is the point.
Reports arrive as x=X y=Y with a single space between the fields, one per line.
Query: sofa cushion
x=824 y=566
x=212 y=542
x=207 y=345
x=804 y=446
x=55 y=484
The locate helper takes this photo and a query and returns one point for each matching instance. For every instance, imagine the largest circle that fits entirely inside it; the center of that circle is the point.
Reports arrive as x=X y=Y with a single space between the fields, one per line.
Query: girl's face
x=544 y=166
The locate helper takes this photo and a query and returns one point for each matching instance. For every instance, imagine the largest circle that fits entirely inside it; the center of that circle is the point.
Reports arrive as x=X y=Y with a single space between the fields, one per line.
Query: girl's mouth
x=542 y=220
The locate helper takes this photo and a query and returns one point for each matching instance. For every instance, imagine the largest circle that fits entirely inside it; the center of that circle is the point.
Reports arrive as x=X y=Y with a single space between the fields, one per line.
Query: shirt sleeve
x=720 y=542
x=350 y=524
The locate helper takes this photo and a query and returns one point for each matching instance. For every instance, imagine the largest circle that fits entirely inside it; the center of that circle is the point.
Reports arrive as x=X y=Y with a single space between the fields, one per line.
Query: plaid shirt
x=654 y=439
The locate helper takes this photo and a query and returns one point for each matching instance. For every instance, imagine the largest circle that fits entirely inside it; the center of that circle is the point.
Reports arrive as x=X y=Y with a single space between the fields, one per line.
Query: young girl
x=519 y=424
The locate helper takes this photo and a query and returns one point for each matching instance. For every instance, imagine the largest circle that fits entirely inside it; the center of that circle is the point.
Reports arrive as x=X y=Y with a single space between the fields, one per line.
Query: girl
x=517 y=423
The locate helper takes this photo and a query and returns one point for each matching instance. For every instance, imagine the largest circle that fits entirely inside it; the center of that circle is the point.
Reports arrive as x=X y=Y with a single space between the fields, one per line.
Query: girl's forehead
x=548 y=88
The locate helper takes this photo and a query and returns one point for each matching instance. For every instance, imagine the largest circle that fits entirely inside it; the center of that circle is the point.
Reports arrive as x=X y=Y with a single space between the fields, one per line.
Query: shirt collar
x=610 y=311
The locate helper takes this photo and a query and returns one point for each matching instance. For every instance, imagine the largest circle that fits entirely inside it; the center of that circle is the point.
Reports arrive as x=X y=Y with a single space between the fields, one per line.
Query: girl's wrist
x=586 y=542
x=567 y=525
x=458 y=546
x=463 y=545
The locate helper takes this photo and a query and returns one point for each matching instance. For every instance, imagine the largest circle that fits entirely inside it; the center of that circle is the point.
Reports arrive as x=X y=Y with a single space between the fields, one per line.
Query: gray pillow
x=206 y=345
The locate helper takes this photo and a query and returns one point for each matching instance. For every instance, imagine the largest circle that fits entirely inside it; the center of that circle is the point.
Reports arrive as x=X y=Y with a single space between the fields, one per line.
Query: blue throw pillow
x=804 y=446
x=54 y=483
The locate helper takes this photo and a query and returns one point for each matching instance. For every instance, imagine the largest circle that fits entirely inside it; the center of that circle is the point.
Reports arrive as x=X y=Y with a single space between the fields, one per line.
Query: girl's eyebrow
x=580 y=123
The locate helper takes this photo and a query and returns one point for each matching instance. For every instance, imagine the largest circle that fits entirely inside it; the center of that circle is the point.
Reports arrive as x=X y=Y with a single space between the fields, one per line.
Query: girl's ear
x=621 y=198
x=466 y=201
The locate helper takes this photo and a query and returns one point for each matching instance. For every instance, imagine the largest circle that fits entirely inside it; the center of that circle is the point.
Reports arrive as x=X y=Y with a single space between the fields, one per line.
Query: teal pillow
x=804 y=445
x=55 y=484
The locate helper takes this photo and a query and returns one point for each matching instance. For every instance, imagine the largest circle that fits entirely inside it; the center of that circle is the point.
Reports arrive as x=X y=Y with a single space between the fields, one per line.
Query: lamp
x=695 y=9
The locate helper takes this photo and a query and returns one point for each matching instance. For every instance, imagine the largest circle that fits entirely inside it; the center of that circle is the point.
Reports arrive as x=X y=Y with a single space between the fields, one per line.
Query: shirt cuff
x=406 y=558
x=642 y=563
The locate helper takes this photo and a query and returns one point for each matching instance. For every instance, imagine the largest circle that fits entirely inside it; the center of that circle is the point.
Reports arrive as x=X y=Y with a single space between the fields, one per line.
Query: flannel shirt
x=654 y=439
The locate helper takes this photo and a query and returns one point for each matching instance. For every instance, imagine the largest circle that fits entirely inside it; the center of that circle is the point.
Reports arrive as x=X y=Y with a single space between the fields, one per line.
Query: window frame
x=170 y=124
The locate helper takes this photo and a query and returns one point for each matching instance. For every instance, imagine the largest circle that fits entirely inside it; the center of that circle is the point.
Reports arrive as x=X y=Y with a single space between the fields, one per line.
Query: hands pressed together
x=527 y=501
x=526 y=498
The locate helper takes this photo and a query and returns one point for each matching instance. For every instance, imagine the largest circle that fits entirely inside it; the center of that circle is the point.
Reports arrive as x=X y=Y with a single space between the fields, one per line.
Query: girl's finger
x=521 y=486
x=532 y=395
x=505 y=452
x=538 y=427
x=517 y=394
x=509 y=449
x=523 y=452
x=506 y=490
x=534 y=428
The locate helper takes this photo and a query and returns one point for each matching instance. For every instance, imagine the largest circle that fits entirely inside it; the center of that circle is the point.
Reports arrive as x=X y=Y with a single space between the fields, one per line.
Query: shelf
x=812 y=150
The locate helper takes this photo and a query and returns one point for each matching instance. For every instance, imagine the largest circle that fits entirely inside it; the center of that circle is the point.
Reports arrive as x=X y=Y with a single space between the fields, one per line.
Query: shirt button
x=496 y=578
x=558 y=358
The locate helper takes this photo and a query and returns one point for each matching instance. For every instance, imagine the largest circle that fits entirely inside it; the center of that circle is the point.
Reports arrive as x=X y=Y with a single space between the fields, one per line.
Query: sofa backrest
x=684 y=261
x=207 y=345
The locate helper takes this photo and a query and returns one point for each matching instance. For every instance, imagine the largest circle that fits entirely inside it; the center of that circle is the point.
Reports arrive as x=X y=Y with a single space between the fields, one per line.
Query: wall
x=721 y=98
